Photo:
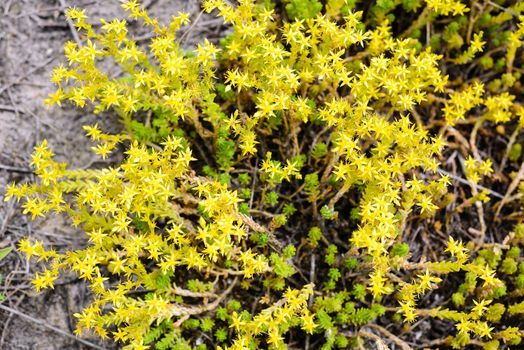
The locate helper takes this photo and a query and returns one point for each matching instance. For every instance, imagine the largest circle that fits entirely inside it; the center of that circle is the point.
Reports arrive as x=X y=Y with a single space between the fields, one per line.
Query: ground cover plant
x=329 y=175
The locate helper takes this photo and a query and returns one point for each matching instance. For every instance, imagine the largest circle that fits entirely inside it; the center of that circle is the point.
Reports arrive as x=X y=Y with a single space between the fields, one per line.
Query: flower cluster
x=284 y=167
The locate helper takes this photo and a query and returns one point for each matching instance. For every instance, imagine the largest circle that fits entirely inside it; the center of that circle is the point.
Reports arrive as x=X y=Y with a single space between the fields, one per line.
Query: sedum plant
x=268 y=181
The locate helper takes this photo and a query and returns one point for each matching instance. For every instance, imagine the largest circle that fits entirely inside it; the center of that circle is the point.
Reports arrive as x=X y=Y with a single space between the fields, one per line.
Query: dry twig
x=512 y=187
x=402 y=344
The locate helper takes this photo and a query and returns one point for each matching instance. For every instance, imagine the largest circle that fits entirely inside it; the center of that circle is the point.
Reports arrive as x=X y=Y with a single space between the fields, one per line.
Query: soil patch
x=32 y=34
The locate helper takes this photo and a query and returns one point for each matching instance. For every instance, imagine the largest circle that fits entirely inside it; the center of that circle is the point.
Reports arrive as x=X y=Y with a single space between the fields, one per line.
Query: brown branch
x=402 y=344
x=184 y=311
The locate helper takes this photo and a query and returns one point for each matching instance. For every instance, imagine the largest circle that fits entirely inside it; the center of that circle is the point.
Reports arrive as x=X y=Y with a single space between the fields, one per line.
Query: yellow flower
x=44 y=280
x=308 y=325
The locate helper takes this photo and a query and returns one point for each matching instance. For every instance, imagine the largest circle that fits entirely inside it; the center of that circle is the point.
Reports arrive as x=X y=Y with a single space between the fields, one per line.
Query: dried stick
x=27 y=74
x=381 y=345
x=512 y=187
x=183 y=311
x=402 y=344
x=511 y=142
x=15 y=169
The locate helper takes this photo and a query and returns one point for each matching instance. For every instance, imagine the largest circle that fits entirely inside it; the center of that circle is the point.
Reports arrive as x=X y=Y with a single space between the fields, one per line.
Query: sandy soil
x=32 y=33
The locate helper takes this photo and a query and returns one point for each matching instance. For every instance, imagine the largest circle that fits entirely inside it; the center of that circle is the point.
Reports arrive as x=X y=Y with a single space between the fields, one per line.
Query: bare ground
x=32 y=34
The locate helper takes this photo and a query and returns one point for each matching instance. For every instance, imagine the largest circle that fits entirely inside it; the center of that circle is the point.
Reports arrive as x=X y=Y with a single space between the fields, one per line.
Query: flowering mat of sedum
x=336 y=174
